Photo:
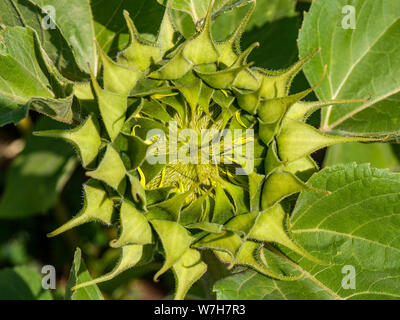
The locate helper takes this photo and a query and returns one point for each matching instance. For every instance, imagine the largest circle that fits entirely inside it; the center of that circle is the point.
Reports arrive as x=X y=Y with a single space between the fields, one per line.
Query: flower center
x=196 y=150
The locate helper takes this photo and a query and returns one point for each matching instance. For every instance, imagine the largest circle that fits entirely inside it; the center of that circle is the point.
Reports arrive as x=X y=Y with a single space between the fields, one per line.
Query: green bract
x=179 y=208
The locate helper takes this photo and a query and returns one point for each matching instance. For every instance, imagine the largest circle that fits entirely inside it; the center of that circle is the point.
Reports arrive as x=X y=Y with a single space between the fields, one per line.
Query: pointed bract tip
x=89 y=66
x=78 y=286
x=313 y=53
x=231 y=265
x=55 y=233
x=114 y=243
x=87 y=283
x=89 y=174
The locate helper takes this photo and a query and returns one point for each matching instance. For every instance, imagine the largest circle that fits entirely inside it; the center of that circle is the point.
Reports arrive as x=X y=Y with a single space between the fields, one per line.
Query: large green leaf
x=379 y=155
x=356 y=226
x=271 y=10
x=79 y=274
x=25 y=13
x=28 y=79
x=37 y=175
x=22 y=283
x=74 y=19
x=21 y=76
x=362 y=62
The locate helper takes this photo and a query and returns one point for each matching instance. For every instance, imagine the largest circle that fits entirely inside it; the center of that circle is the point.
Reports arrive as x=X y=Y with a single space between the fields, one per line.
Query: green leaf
x=270 y=227
x=170 y=208
x=175 y=68
x=137 y=190
x=134 y=148
x=37 y=175
x=112 y=108
x=97 y=207
x=135 y=227
x=26 y=13
x=379 y=155
x=238 y=196
x=197 y=9
x=21 y=74
x=243 y=223
x=175 y=240
x=297 y=140
x=229 y=13
x=227 y=19
x=250 y=254
x=139 y=54
x=111 y=169
x=251 y=285
x=74 y=20
x=187 y=271
x=362 y=62
x=226 y=241
x=79 y=274
x=22 y=283
x=117 y=78
x=193 y=212
x=201 y=48
x=223 y=208
x=271 y=10
x=280 y=185
x=187 y=15
x=131 y=255
x=28 y=79
x=85 y=138
x=206 y=226
x=357 y=225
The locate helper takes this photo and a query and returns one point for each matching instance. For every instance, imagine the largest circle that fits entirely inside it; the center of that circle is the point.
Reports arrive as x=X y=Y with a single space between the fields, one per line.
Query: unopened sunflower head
x=193 y=148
